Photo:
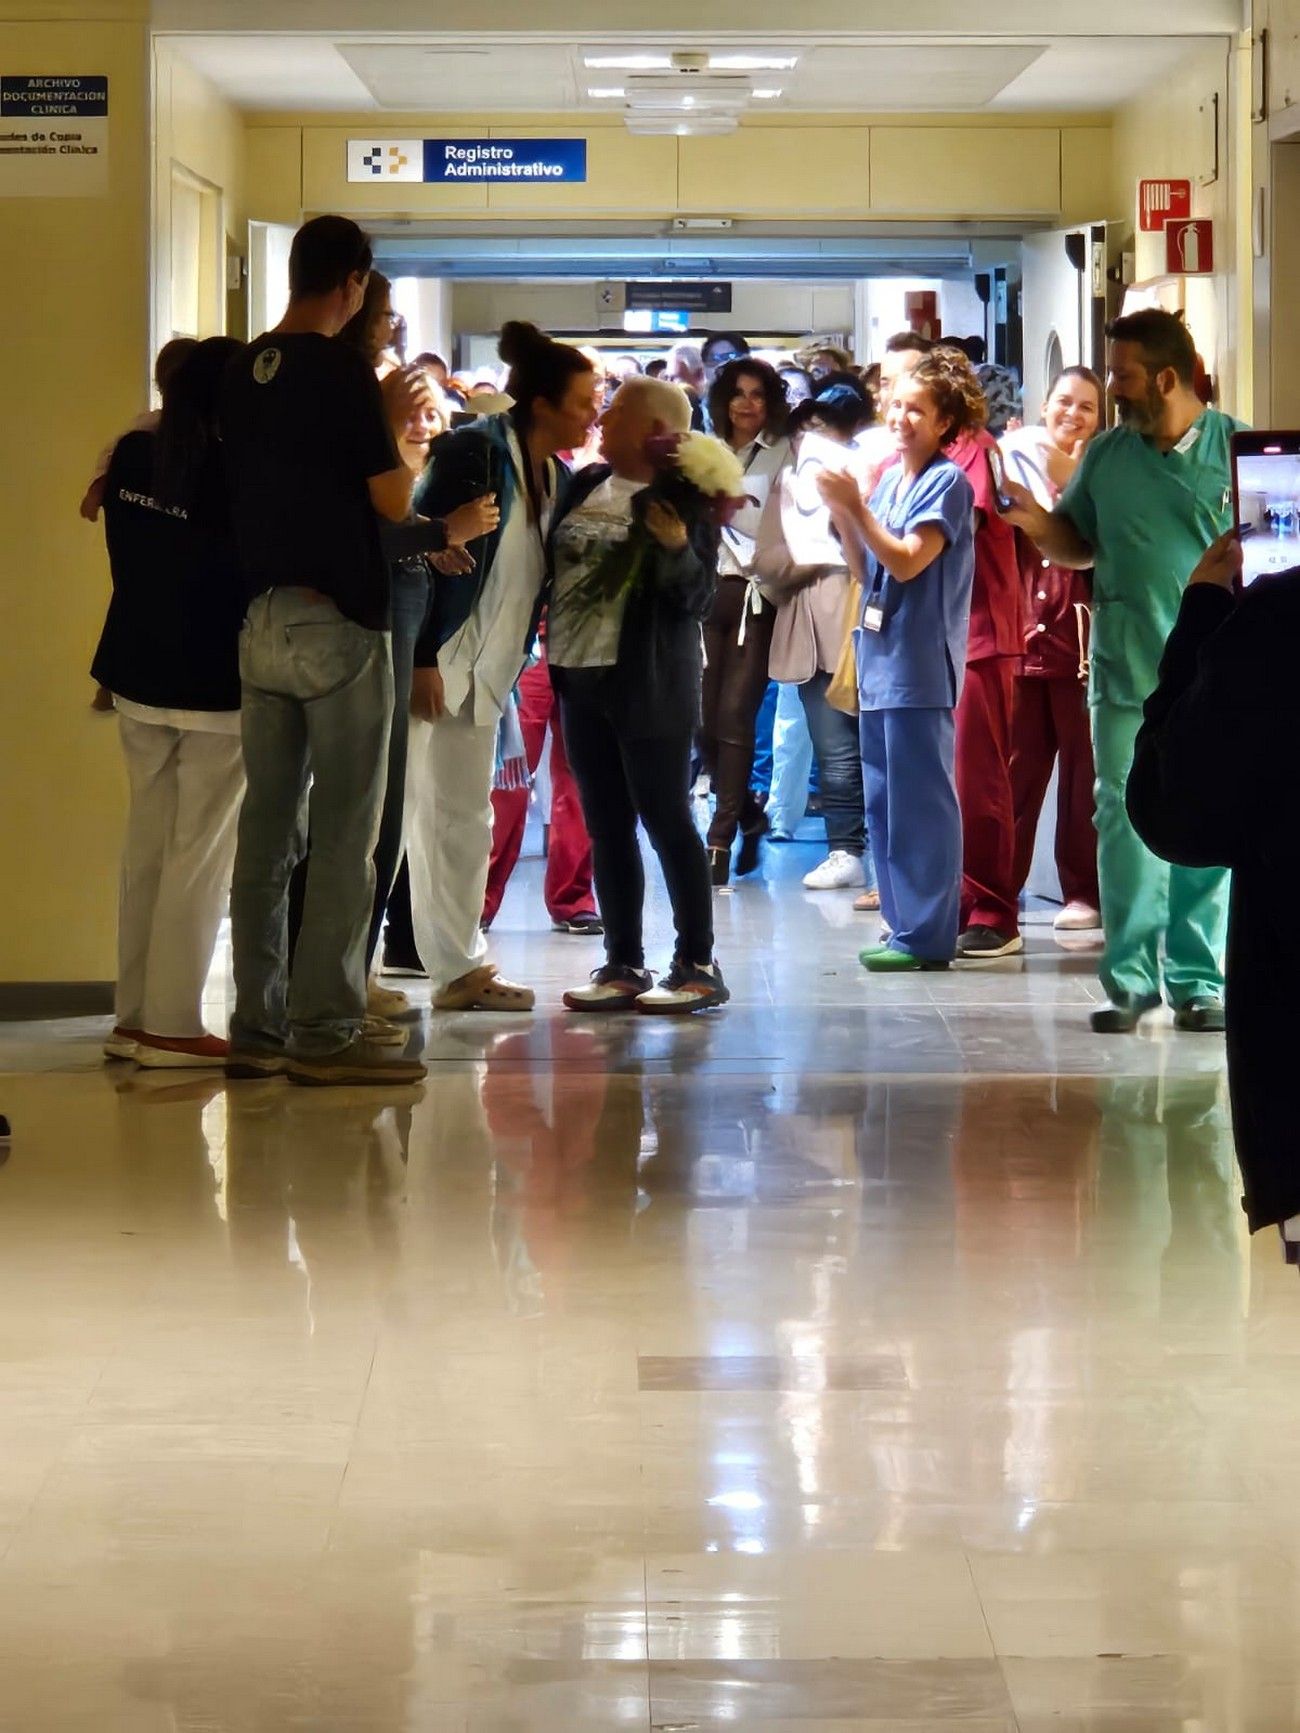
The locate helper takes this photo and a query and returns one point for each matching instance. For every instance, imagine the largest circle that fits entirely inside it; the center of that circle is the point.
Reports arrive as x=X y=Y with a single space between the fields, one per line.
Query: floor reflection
x=603 y=1385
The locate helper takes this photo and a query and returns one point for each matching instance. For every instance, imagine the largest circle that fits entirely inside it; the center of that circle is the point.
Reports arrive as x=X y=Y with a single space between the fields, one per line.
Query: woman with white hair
x=631 y=580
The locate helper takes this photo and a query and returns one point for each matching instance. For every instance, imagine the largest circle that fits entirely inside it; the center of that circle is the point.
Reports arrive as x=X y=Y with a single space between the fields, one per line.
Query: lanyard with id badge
x=873 y=613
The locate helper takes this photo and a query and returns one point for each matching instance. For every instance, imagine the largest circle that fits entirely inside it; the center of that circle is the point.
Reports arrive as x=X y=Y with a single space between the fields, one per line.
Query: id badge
x=873 y=617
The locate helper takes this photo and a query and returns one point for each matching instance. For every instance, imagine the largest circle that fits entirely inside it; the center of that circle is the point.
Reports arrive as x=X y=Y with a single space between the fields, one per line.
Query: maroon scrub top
x=997 y=626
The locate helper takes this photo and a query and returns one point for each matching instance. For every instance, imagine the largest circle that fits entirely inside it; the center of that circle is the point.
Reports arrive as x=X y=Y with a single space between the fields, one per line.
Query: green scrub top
x=1148 y=515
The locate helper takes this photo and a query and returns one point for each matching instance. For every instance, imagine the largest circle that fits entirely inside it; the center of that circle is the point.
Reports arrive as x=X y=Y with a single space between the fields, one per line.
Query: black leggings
x=621 y=781
x=735 y=679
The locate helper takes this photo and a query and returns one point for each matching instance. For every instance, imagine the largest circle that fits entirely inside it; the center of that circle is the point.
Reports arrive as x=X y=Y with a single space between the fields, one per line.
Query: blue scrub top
x=918 y=661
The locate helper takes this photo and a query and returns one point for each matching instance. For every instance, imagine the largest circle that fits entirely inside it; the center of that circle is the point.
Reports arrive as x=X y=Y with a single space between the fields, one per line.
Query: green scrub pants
x=1145 y=900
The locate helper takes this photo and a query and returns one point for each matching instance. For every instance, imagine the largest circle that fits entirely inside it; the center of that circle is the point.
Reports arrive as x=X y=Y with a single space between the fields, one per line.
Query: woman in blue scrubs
x=914 y=548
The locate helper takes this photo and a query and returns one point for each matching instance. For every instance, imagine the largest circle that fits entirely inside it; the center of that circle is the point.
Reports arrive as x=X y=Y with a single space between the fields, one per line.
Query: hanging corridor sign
x=443 y=161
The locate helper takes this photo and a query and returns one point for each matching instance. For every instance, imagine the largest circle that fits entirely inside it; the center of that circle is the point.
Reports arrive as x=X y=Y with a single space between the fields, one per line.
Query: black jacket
x=1213 y=784
x=171 y=638
x=653 y=690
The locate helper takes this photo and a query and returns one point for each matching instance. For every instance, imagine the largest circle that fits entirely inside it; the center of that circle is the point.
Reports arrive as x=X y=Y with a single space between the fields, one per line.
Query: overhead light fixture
x=606 y=92
x=716 y=62
x=708 y=91
x=628 y=62
x=754 y=62
x=685 y=92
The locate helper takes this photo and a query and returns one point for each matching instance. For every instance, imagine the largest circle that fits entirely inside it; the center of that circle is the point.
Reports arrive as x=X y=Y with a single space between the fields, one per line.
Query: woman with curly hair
x=747 y=409
x=913 y=550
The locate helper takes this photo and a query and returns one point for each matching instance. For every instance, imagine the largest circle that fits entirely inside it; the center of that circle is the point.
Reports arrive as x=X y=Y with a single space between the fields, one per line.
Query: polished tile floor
x=874 y=1355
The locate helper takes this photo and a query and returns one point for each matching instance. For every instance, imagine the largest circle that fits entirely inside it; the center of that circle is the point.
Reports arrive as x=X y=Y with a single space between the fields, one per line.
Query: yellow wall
x=1274 y=194
x=851 y=167
x=74 y=297
x=1169 y=134
x=199 y=133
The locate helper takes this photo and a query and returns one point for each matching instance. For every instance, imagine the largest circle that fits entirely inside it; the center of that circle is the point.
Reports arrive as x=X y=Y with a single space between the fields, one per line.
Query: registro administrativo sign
x=441 y=161
x=53 y=136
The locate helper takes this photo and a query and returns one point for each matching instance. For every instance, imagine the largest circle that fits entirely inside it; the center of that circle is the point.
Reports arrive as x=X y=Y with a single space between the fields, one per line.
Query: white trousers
x=449 y=770
x=186 y=787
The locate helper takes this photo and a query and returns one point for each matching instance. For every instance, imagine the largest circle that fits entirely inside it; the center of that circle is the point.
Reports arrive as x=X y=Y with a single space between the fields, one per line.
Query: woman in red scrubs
x=1051 y=702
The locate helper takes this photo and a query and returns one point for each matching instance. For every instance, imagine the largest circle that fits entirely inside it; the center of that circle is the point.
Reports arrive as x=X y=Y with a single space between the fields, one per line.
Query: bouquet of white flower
x=699 y=478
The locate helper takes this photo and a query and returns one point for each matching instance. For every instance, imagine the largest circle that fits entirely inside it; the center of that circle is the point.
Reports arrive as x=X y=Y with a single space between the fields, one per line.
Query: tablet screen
x=1268 y=511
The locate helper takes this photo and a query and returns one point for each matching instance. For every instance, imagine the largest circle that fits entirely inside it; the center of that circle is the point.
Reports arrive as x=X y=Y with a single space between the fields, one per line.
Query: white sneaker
x=840 y=871
x=1077 y=918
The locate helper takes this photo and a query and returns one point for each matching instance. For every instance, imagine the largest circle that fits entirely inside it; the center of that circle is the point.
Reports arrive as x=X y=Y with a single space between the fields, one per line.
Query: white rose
x=711 y=466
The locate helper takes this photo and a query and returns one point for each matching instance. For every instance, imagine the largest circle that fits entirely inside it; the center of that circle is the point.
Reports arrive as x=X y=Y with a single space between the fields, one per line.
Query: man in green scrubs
x=1143 y=506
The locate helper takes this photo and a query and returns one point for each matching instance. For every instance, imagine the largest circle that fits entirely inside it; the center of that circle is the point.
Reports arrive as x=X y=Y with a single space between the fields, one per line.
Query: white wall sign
x=53 y=136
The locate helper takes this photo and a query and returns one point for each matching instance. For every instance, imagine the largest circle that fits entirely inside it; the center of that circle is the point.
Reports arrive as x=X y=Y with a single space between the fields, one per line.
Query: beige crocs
x=484 y=990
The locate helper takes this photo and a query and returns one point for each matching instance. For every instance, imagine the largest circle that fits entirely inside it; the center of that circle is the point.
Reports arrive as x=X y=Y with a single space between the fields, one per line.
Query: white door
x=268 y=274
x=1061 y=307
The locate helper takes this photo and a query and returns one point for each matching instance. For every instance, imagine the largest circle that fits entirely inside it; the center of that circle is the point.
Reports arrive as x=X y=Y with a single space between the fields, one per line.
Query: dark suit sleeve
x=1196 y=794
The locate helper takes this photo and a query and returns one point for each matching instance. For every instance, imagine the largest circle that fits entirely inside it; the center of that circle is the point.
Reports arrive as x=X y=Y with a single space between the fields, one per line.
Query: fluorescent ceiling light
x=612 y=92
x=766 y=95
x=664 y=62
x=753 y=62
x=628 y=62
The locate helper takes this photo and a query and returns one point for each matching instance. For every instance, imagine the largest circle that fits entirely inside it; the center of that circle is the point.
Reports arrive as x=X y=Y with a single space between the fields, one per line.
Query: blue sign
x=57 y=96
x=505 y=159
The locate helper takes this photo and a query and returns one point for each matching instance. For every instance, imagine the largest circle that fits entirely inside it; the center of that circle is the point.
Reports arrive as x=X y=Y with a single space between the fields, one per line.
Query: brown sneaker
x=484 y=990
x=360 y=1063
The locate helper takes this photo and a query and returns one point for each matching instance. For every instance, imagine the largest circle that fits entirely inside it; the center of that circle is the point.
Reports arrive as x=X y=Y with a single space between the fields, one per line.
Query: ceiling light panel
x=753 y=62
x=717 y=62
x=628 y=62
x=688 y=90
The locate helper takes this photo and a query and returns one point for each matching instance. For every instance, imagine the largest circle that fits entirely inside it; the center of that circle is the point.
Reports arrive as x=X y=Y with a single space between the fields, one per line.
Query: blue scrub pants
x=914 y=823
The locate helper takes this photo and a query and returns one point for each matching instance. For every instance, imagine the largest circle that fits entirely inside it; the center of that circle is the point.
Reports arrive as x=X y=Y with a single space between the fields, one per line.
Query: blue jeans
x=764 y=766
x=410 y=581
x=318 y=700
x=908 y=772
x=836 y=743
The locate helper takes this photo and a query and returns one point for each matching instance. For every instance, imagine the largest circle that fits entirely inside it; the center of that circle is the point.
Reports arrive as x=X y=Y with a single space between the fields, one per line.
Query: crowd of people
x=354 y=597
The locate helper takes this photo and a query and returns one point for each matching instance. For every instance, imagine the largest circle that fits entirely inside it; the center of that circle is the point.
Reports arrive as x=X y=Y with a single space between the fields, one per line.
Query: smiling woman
x=915 y=546
x=1050 y=716
x=747 y=406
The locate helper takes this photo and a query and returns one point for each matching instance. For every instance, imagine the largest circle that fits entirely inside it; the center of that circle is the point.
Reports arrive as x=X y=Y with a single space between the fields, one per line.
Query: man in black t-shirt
x=310 y=442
